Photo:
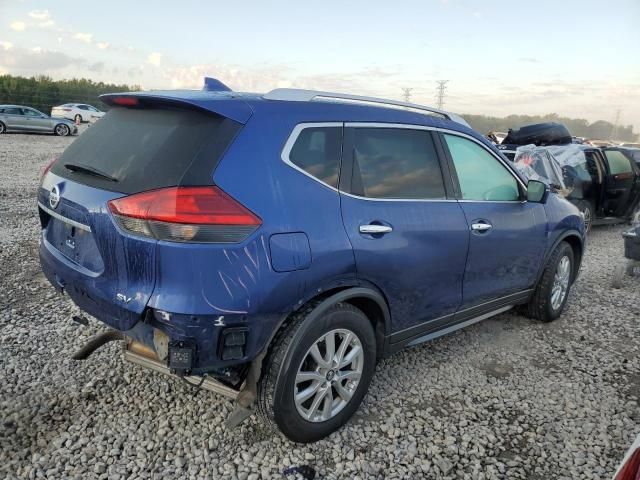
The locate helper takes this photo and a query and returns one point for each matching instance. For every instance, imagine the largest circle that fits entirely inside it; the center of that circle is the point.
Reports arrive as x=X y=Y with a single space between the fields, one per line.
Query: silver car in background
x=16 y=118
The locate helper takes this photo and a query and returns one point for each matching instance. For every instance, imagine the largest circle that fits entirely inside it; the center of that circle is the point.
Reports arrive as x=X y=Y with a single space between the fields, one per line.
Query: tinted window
x=617 y=161
x=12 y=111
x=149 y=148
x=30 y=113
x=317 y=152
x=395 y=163
x=480 y=174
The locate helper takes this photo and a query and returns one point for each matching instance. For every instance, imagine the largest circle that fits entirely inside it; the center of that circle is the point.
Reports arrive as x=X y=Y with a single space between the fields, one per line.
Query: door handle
x=375 y=229
x=481 y=226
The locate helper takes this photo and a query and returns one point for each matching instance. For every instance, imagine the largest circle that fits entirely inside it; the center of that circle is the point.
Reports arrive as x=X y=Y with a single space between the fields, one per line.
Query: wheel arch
x=576 y=242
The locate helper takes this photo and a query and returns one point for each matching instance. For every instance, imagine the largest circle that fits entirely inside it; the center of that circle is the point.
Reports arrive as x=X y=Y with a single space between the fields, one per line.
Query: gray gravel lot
x=507 y=398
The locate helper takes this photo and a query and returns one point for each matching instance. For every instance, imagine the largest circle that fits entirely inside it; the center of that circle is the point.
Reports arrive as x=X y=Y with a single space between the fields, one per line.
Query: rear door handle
x=375 y=229
x=481 y=226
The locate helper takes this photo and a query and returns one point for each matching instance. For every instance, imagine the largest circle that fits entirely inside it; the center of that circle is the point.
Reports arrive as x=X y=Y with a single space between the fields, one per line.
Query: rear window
x=317 y=152
x=143 y=149
x=618 y=163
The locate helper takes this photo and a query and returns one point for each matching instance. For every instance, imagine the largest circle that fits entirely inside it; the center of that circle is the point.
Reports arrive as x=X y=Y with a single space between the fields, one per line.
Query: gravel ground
x=507 y=398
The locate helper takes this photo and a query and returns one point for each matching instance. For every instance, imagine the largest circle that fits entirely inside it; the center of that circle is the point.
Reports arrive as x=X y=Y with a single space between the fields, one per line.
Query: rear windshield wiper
x=74 y=167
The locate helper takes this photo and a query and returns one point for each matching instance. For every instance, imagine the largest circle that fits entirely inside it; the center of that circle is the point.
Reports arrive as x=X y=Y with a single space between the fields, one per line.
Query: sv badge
x=121 y=297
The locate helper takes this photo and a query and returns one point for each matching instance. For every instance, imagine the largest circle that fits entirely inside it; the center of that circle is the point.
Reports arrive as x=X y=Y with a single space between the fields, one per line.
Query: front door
x=507 y=234
x=36 y=121
x=620 y=183
x=409 y=236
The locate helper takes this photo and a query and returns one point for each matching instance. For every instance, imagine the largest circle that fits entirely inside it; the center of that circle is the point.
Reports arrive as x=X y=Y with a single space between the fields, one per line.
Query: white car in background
x=78 y=112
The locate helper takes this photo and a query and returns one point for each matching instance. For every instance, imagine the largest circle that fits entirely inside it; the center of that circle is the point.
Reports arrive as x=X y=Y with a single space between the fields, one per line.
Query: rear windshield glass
x=146 y=149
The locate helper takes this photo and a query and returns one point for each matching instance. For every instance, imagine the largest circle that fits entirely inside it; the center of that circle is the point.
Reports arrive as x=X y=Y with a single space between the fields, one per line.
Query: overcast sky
x=576 y=58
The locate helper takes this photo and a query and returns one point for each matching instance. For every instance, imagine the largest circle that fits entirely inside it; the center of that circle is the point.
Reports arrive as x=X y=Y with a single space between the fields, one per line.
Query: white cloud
x=42 y=17
x=6 y=45
x=84 y=37
x=103 y=45
x=154 y=59
x=18 y=26
x=40 y=14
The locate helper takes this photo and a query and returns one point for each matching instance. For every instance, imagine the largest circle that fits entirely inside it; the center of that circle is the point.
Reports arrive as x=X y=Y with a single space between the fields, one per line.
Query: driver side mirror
x=537 y=191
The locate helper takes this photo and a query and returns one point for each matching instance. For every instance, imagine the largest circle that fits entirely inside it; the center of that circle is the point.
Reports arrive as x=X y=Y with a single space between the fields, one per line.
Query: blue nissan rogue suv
x=274 y=247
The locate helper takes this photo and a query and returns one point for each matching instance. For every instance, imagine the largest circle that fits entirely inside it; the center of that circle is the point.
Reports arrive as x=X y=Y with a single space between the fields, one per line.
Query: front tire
x=62 y=130
x=552 y=291
x=317 y=372
x=3 y=128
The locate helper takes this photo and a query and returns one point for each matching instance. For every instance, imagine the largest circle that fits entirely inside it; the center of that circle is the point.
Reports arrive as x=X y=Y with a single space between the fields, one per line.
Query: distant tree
x=43 y=93
x=580 y=127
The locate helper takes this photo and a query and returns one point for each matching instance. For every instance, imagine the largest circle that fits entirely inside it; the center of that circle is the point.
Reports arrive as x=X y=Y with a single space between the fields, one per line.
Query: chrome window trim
x=73 y=223
x=293 y=137
x=295 y=133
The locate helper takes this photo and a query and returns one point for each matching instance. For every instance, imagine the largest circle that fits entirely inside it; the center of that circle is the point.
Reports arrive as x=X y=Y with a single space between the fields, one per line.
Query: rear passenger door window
x=316 y=151
x=617 y=162
x=395 y=163
x=482 y=177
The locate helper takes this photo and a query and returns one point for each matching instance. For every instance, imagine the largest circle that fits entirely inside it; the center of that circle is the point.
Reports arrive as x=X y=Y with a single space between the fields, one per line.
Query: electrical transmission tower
x=440 y=89
x=614 y=130
x=407 y=94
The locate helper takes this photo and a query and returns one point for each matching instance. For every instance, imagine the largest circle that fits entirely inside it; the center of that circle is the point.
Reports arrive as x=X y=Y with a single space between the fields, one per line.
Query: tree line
x=43 y=93
x=600 y=129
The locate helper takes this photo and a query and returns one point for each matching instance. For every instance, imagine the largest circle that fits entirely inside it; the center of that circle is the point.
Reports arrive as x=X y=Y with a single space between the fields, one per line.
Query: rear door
x=507 y=234
x=409 y=237
x=107 y=271
x=14 y=118
x=621 y=183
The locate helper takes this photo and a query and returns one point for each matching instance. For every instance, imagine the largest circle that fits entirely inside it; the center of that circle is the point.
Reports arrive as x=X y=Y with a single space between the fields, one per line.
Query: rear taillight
x=185 y=214
x=47 y=168
x=631 y=468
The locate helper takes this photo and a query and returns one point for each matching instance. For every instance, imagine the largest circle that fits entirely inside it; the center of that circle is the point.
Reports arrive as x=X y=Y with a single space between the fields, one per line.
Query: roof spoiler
x=214 y=85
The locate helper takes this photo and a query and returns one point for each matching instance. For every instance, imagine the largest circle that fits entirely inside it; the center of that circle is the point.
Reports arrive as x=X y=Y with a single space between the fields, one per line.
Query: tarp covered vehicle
x=605 y=186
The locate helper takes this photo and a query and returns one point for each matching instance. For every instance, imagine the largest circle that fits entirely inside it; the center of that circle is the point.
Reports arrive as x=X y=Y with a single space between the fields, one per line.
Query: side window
x=480 y=174
x=317 y=152
x=30 y=113
x=12 y=111
x=83 y=107
x=395 y=163
x=617 y=162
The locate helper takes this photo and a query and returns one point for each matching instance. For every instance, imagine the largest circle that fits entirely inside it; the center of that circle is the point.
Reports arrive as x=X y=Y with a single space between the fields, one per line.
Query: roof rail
x=299 y=95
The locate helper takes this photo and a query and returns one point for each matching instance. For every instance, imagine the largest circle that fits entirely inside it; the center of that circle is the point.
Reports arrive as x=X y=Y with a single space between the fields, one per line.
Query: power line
x=440 y=89
x=407 y=94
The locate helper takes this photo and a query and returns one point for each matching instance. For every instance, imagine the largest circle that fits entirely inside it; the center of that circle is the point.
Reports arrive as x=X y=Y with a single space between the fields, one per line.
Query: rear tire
x=309 y=399
x=3 y=128
x=78 y=118
x=552 y=291
x=587 y=211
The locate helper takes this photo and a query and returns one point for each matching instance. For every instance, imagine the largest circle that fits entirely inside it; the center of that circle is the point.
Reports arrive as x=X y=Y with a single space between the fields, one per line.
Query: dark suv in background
x=274 y=247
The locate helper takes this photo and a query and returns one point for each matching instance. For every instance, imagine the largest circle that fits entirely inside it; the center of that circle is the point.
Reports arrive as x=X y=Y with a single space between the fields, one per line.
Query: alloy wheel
x=587 y=218
x=328 y=375
x=560 y=282
x=62 y=130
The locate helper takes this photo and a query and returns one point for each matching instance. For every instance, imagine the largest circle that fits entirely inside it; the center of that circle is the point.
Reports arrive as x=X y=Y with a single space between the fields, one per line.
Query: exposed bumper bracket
x=151 y=363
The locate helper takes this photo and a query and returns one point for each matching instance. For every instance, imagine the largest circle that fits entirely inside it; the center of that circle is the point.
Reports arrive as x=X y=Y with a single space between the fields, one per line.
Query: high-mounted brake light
x=125 y=101
x=185 y=214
